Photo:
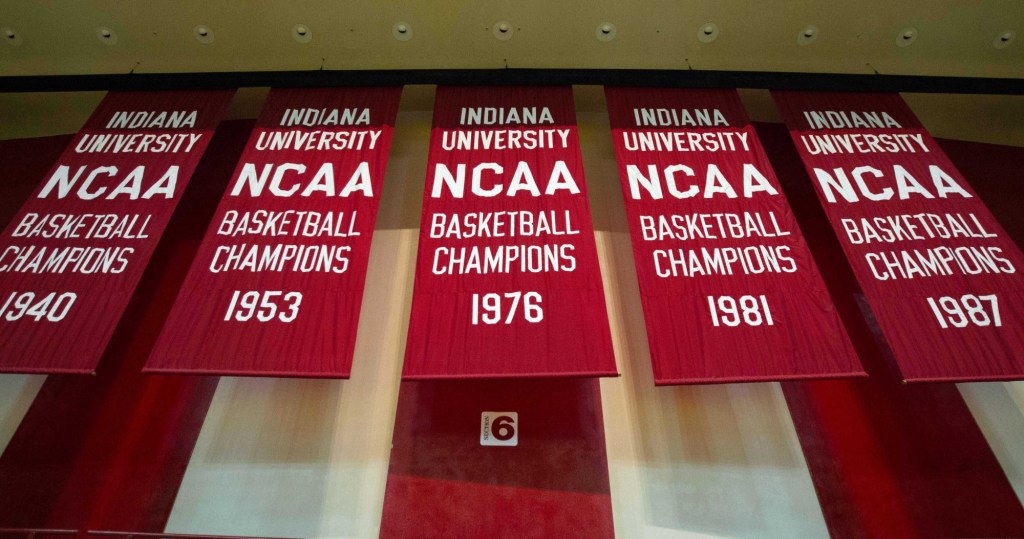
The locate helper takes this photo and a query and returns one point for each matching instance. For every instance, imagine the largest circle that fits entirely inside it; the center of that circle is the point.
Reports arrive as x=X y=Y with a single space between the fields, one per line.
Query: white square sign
x=499 y=428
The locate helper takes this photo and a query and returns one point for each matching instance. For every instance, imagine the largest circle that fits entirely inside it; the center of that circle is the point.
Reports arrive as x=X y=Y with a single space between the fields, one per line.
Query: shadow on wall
x=264 y=455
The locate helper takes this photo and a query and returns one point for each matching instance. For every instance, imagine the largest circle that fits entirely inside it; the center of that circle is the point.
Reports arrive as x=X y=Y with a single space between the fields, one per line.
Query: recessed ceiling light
x=1004 y=39
x=808 y=35
x=707 y=32
x=106 y=35
x=402 y=31
x=906 y=37
x=203 y=33
x=302 y=33
x=502 y=30
x=605 y=31
x=11 y=37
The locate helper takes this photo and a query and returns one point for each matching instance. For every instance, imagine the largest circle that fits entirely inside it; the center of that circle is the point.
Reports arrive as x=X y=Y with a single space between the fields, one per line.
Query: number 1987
x=966 y=310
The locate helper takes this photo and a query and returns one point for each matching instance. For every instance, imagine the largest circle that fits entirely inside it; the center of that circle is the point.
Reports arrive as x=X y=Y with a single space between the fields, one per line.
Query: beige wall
x=16 y=394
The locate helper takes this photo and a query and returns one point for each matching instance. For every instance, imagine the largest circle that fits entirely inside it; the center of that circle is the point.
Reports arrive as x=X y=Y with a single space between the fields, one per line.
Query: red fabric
x=107 y=452
x=571 y=338
x=888 y=459
x=938 y=222
x=77 y=332
x=806 y=338
x=443 y=483
x=314 y=329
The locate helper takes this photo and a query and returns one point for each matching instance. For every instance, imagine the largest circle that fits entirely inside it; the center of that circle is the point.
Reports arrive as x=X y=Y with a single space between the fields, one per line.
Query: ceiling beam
x=530 y=77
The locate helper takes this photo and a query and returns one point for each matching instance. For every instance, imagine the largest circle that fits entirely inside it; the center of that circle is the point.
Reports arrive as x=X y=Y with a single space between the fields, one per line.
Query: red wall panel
x=443 y=483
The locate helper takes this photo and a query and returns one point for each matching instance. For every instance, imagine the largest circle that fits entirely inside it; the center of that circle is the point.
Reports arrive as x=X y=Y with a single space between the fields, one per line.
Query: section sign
x=939 y=273
x=729 y=288
x=73 y=255
x=507 y=280
x=277 y=284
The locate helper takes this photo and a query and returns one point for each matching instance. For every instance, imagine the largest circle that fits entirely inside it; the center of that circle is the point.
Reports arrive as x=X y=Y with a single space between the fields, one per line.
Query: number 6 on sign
x=499 y=428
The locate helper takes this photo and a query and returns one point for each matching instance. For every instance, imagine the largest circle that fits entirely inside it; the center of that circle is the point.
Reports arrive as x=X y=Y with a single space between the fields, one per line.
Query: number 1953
x=264 y=305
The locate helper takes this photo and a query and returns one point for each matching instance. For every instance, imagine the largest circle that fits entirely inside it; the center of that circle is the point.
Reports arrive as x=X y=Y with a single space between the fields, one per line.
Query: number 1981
x=748 y=310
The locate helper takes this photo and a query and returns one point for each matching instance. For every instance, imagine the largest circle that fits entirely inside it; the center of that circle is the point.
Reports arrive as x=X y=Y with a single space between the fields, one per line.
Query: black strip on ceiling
x=530 y=77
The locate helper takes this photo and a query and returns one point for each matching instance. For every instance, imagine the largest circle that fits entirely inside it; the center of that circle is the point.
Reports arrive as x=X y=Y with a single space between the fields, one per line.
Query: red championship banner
x=277 y=284
x=941 y=276
x=73 y=255
x=507 y=279
x=729 y=288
